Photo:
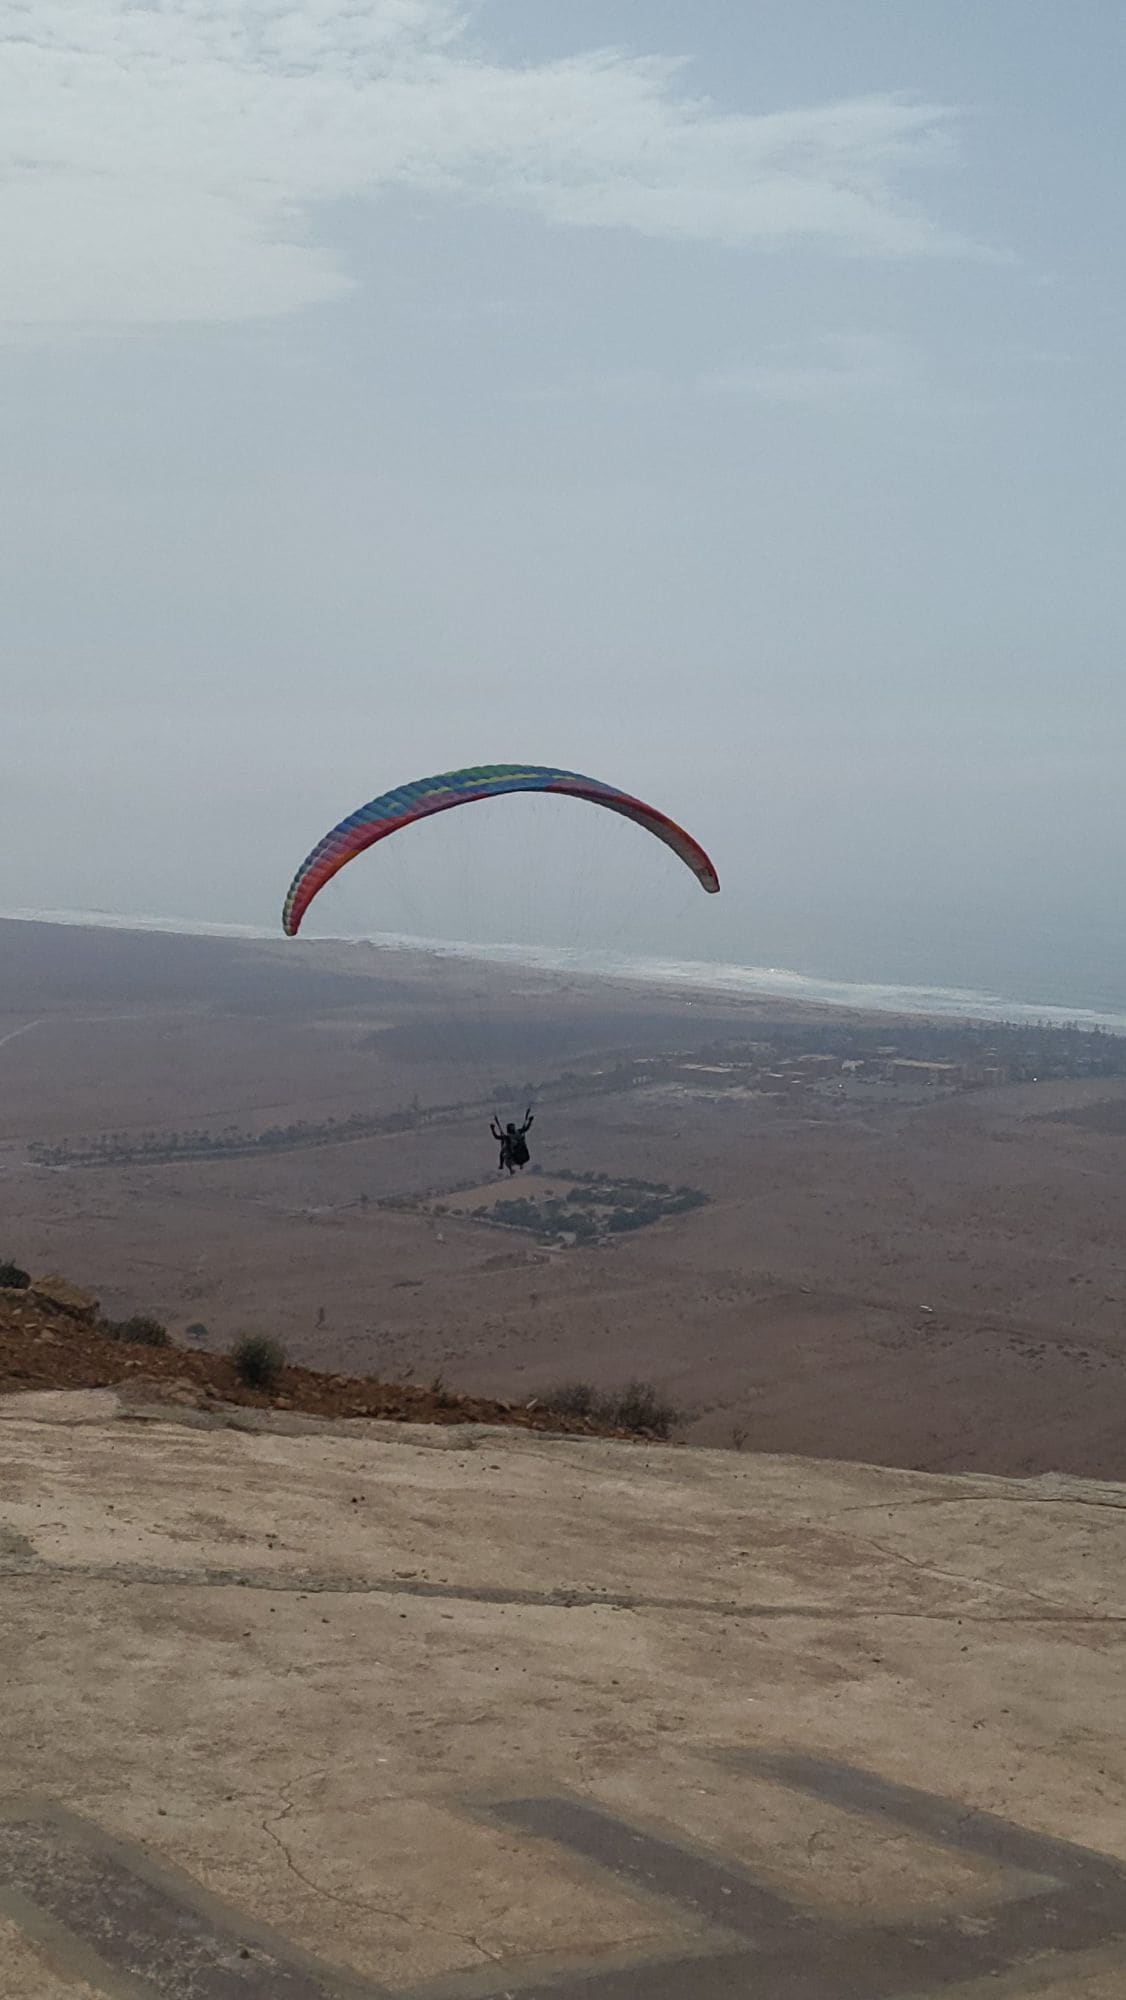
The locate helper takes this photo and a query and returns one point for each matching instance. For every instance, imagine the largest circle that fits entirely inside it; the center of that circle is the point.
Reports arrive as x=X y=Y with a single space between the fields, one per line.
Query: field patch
x=561 y=1207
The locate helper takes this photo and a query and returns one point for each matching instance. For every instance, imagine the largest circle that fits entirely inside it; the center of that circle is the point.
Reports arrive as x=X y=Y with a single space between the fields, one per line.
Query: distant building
x=983 y=1075
x=905 y=1069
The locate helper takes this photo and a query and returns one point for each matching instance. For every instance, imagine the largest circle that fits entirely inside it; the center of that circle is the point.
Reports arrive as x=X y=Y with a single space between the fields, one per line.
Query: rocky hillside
x=53 y=1336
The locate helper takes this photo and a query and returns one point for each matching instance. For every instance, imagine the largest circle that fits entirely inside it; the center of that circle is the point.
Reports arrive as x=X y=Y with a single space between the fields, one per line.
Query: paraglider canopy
x=400 y=808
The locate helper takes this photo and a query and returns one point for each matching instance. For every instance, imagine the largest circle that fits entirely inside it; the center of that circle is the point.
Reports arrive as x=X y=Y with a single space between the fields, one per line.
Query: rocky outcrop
x=57 y=1295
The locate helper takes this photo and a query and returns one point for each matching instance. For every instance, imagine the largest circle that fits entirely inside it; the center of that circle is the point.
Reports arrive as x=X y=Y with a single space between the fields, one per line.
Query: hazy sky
x=721 y=396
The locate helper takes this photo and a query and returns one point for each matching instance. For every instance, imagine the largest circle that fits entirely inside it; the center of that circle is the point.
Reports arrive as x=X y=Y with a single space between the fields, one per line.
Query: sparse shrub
x=258 y=1360
x=638 y=1407
x=517 y=1214
x=140 y=1328
x=572 y=1399
x=12 y=1278
x=684 y=1201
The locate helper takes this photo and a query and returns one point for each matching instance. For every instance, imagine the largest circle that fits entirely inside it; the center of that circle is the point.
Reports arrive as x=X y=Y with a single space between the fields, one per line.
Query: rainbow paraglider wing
x=393 y=810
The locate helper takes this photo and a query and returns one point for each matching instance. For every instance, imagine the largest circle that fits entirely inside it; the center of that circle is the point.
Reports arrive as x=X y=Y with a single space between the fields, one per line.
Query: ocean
x=1093 y=1005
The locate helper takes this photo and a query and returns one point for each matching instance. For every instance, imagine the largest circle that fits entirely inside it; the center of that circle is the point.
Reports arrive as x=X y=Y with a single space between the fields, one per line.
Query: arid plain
x=895 y=1275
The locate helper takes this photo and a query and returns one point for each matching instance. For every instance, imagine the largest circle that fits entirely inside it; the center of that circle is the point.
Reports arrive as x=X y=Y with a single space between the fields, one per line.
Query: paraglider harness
x=513 y=1142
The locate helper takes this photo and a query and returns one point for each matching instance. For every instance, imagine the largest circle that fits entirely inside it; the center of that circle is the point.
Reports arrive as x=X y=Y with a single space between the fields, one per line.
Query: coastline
x=683 y=978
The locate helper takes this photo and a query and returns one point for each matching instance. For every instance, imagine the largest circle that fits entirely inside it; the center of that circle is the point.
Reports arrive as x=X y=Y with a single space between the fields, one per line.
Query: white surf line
x=25 y=1030
x=689 y=978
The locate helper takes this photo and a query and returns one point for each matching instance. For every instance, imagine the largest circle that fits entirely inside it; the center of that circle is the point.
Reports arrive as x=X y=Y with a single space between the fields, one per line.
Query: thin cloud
x=165 y=164
x=837 y=368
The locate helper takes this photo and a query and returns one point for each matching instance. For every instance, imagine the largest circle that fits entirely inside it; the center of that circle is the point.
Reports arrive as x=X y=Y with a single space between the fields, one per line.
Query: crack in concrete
x=366 y=1904
x=975 y=1582
x=981 y=1496
x=559 y=1598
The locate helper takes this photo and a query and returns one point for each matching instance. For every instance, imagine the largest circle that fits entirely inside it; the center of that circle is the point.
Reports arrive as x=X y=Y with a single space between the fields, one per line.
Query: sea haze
x=1057 y=993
